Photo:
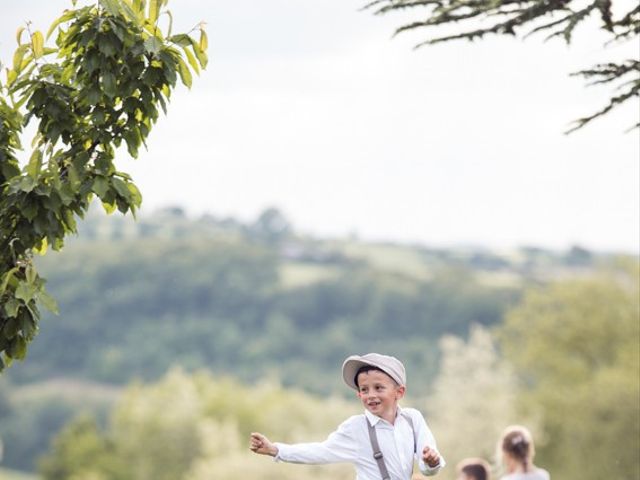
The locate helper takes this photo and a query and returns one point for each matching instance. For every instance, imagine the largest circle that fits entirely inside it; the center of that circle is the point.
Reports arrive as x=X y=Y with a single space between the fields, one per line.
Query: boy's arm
x=338 y=447
x=430 y=461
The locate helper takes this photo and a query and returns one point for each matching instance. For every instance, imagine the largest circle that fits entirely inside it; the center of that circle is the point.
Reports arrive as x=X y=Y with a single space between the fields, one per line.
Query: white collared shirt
x=350 y=443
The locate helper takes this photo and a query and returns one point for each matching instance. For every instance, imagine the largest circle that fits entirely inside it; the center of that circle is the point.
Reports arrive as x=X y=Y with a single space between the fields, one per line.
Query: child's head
x=517 y=447
x=379 y=380
x=473 y=469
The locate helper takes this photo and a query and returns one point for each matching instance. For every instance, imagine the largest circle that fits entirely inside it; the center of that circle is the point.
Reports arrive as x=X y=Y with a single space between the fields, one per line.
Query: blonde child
x=517 y=451
x=383 y=442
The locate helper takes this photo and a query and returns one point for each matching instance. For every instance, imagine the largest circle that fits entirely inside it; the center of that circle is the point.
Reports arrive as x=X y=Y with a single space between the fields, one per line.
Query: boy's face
x=379 y=393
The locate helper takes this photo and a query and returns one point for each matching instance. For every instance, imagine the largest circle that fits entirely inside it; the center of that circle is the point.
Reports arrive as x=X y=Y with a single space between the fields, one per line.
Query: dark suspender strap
x=407 y=417
x=377 y=454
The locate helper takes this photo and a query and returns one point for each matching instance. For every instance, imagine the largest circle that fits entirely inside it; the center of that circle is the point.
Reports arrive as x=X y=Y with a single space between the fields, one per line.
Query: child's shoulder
x=353 y=420
x=411 y=411
x=414 y=413
x=537 y=474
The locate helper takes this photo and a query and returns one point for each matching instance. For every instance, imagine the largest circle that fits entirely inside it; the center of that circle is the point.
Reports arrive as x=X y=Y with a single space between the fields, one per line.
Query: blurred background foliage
x=179 y=336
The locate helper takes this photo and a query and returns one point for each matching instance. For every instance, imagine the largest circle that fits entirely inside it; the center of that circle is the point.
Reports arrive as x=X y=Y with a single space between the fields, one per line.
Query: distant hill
x=248 y=300
x=258 y=299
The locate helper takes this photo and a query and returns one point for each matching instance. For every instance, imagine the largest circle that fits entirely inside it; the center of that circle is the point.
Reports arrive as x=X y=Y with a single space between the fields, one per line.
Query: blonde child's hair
x=517 y=442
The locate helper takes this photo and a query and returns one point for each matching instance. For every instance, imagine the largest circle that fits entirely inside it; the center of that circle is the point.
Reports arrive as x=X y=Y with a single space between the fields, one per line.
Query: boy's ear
x=401 y=389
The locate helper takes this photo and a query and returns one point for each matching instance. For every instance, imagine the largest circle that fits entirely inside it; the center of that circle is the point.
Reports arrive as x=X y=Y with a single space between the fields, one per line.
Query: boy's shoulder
x=354 y=419
x=414 y=413
x=353 y=424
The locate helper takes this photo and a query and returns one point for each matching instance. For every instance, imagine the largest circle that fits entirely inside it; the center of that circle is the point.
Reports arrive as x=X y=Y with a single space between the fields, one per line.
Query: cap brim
x=350 y=367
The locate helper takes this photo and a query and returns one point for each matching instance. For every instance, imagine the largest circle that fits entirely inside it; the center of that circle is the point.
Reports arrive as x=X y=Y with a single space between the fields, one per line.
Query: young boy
x=383 y=442
x=473 y=469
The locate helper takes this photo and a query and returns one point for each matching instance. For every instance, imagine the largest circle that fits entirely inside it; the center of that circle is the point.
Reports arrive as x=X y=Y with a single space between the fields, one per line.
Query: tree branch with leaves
x=99 y=88
x=474 y=19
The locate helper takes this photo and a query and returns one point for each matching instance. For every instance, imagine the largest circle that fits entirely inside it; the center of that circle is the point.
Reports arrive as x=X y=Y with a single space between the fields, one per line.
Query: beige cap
x=389 y=365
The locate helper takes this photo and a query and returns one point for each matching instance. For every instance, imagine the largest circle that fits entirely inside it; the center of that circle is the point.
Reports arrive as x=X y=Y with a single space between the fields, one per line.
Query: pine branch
x=610 y=72
x=516 y=14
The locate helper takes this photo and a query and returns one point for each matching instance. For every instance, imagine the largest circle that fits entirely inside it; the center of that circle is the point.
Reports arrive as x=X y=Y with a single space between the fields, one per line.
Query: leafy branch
x=99 y=88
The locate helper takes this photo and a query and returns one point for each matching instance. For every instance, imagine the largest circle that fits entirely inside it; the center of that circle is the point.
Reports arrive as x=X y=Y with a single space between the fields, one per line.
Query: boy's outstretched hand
x=262 y=445
x=430 y=457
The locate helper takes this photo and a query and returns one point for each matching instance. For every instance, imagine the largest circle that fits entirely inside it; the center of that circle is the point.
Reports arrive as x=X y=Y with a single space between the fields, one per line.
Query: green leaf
x=111 y=7
x=48 y=302
x=69 y=219
x=29 y=325
x=136 y=196
x=133 y=139
x=9 y=170
x=6 y=278
x=17 y=347
x=139 y=6
x=37 y=43
x=153 y=45
x=181 y=39
x=29 y=209
x=57 y=244
x=19 y=35
x=68 y=15
x=42 y=247
x=121 y=187
x=74 y=178
x=192 y=59
x=154 y=11
x=123 y=205
x=185 y=74
x=12 y=75
x=27 y=184
x=11 y=307
x=109 y=208
x=93 y=95
x=109 y=84
x=129 y=13
x=104 y=165
x=10 y=329
x=35 y=164
x=18 y=56
x=66 y=194
x=100 y=186
x=31 y=274
x=200 y=54
x=25 y=292
x=91 y=61
x=108 y=47
x=204 y=41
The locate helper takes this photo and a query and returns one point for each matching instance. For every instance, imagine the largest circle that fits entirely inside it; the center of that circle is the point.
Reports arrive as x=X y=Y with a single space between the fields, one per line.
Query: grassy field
x=297 y=274
x=13 y=475
x=390 y=258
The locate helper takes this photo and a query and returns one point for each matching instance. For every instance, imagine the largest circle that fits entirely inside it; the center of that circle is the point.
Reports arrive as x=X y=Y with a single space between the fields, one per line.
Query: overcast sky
x=312 y=107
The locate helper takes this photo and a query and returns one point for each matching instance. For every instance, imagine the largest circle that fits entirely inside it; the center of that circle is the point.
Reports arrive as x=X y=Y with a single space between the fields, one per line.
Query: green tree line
x=565 y=362
x=244 y=307
x=252 y=301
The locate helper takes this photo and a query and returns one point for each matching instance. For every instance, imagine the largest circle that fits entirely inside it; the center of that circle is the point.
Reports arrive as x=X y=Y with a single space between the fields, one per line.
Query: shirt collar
x=374 y=419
